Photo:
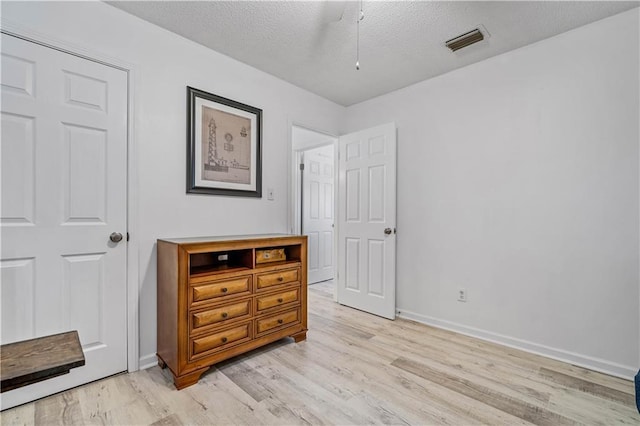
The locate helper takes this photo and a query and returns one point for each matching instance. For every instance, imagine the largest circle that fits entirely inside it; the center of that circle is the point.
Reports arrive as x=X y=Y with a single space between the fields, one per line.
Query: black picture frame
x=224 y=146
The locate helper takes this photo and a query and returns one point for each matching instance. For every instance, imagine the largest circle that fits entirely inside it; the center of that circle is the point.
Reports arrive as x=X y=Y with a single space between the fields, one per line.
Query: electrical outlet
x=462 y=295
x=270 y=194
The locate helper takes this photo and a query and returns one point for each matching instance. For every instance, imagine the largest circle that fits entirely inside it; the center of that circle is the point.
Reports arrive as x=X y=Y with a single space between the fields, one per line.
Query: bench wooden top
x=34 y=360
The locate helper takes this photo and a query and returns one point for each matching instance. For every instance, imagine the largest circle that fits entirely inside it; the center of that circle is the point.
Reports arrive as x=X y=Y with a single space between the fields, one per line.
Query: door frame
x=295 y=185
x=295 y=157
x=15 y=29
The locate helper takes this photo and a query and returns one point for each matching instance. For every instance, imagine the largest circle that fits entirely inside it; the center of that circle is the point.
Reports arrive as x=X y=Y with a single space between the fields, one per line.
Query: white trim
x=133 y=320
x=638 y=366
x=19 y=30
x=296 y=225
x=148 y=361
x=336 y=209
x=596 y=364
x=294 y=184
x=133 y=277
x=290 y=179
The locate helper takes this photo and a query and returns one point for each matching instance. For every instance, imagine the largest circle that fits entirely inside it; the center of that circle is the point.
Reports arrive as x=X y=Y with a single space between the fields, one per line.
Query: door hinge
x=301 y=166
x=127 y=236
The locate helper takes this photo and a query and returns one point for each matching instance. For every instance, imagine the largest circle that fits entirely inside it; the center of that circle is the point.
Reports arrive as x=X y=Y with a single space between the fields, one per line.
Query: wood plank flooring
x=354 y=368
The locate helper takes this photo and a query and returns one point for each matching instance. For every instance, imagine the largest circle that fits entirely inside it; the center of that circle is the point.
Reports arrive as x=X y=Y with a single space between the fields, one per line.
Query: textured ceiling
x=310 y=45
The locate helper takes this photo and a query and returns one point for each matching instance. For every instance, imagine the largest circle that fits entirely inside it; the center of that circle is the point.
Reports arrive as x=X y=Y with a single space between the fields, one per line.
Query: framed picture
x=223 y=146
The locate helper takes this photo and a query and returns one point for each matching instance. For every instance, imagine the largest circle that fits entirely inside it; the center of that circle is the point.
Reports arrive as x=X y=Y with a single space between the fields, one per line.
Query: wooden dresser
x=221 y=297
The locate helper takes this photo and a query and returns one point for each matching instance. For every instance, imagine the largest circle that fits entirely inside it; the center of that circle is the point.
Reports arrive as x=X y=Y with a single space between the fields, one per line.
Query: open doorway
x=314 y=195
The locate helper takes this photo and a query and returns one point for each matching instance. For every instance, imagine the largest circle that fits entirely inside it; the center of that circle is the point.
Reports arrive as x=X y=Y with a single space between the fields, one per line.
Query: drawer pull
x=224 y=289
x=280 y=278
x=224 y=315
x=224 y=340
x=280 y=320
x=280 y=300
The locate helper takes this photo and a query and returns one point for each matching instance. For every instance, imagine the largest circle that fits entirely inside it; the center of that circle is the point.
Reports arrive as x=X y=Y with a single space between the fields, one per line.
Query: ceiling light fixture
x=360 y=18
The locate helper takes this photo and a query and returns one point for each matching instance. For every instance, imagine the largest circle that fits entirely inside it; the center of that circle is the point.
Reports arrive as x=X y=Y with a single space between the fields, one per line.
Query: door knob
x=387 y=231
x=116 y=237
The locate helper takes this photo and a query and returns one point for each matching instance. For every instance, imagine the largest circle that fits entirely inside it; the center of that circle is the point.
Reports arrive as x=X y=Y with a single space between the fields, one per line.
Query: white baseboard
x=596 y=364
x=148 y=361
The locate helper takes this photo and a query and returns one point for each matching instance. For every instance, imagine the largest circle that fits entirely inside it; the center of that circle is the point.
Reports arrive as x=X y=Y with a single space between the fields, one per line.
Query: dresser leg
x=188 y=379
x=161 y=363
x=299 y=337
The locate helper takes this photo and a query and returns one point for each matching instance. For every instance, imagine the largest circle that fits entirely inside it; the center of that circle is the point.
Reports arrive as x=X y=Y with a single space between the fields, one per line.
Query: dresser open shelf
x=216 y=301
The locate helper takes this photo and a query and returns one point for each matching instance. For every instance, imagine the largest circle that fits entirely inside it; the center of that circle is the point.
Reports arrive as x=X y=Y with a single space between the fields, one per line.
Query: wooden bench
x=34 y=360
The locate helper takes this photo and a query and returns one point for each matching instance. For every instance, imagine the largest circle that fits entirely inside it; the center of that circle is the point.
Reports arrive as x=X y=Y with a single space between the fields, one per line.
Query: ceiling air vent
x=464 y=40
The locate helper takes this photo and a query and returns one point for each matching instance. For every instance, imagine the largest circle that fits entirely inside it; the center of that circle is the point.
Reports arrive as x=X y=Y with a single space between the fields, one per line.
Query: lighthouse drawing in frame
x=227 y=159
x=224 y=146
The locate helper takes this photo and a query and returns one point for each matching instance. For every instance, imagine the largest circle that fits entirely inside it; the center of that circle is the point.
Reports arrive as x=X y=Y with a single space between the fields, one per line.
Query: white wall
x=165 y=64
x=518 y=179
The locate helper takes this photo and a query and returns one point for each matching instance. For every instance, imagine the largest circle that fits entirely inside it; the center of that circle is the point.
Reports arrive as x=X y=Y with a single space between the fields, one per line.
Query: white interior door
x=367 y=220
x=64 y=157
x=317 y=211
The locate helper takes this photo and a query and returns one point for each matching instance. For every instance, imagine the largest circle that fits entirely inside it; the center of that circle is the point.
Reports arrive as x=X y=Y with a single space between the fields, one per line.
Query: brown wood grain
x=167 y=304
x=171 y=420
x=506 y=403
x=587 y=386
x=277 y=299
x=230 y=311
x=277 y=278
x=224 y=288
x=34 y=360
x=341 y=327
x=281 y=319
x=221 y=338
x=208 y=309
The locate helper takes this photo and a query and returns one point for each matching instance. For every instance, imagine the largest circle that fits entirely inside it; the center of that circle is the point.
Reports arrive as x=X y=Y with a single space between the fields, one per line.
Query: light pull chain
x=360 y=18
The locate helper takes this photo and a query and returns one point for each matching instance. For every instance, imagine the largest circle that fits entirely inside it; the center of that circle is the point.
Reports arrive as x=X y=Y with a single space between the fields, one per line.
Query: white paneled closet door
x=367 y=220
x=317 y=211
x=64 y=189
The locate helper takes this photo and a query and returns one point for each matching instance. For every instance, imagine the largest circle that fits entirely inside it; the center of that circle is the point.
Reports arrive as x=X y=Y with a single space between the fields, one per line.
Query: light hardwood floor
x=354 y=368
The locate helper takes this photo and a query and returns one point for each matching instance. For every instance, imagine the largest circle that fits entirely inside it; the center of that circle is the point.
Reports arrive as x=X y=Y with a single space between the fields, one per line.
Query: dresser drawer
x=279 y=320
x=277 y=299
x=279 y=277
x=212 y=290
x=218 y=314
x=221 y=339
